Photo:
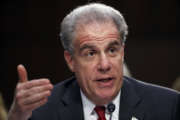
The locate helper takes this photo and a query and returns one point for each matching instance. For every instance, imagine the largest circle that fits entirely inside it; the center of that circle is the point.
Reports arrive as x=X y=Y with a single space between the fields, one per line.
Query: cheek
x=85 y=67
x=117 y=62
x=85 y=76
x=84 y=71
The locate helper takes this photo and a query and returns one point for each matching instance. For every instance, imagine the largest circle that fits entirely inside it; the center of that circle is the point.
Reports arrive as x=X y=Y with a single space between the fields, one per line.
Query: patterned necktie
x=100 y=110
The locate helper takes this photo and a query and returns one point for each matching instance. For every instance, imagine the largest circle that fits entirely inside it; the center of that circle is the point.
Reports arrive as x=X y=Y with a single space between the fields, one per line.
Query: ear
x=69 y=60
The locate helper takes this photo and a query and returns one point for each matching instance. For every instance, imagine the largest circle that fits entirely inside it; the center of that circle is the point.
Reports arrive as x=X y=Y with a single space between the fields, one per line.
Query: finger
x=35 y=90
x=36 y=98
x=35 y=83
x=35 y=105
x=22 y=73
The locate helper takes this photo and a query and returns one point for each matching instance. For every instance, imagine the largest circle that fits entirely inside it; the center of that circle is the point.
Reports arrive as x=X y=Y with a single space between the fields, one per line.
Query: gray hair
x=94 y=12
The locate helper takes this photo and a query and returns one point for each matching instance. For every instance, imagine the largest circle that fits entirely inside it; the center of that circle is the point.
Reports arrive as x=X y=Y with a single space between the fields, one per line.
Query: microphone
x=111 y=107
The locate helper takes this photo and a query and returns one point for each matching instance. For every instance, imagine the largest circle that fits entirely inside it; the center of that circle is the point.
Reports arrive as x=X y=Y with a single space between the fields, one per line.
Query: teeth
x=104 y=80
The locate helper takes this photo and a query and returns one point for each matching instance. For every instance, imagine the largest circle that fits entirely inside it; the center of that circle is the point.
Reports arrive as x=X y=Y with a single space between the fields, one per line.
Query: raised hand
x=29 y=95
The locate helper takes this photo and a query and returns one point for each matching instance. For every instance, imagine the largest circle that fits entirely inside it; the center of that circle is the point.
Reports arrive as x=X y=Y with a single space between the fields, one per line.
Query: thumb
x=22 y=73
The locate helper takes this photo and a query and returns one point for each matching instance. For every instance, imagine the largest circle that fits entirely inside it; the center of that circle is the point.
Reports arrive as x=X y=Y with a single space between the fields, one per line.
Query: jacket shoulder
x=144 y=88
x=156 y=102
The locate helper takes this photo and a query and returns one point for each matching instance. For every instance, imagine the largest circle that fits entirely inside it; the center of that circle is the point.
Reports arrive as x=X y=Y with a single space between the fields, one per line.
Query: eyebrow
x=89 y=46
x=85 y=46
x=115 y=43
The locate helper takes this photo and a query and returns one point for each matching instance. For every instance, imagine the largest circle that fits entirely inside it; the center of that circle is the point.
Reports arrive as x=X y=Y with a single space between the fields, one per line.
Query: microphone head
x=111 y=107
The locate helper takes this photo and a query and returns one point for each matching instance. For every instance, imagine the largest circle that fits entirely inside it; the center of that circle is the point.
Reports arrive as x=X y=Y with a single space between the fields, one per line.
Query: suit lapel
x=130 y=102
x=71 y=105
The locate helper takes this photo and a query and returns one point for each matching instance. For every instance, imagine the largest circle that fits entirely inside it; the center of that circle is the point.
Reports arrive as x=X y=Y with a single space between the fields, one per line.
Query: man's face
x=97 y=61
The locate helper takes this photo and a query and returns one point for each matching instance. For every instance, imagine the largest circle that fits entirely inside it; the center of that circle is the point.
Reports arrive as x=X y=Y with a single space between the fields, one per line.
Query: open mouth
x=105 y=82
x=105 y=79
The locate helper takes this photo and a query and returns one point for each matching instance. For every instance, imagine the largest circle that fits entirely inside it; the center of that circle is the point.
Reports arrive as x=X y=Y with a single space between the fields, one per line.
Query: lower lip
x=108 y=83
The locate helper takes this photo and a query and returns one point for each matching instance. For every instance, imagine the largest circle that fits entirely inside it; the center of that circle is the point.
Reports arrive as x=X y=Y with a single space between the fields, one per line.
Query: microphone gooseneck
x=111 y=107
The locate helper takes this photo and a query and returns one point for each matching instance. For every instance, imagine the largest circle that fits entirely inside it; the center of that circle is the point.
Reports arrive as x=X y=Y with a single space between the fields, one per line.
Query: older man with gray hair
x=93 y=37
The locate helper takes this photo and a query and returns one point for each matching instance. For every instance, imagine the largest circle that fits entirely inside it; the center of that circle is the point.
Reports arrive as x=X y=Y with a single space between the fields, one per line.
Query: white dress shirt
x=90 y=114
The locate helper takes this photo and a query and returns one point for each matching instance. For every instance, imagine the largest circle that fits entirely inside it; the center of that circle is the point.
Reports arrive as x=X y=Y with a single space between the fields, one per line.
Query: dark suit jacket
x=141 y=100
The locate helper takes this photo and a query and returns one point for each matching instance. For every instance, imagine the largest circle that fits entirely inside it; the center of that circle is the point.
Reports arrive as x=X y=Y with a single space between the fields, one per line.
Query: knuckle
x=18 y=97
x=39 y=96
x=30 y=84
x=47 y=93
x=43 y=95
x=43 y=101
x=18 y=87
x=50 y=86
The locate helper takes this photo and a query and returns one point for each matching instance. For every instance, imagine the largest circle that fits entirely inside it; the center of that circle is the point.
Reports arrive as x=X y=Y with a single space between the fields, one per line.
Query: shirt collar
x=89 y=106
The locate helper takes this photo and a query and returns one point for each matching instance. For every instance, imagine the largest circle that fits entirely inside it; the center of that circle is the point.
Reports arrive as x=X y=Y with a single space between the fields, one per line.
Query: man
x=94 y=39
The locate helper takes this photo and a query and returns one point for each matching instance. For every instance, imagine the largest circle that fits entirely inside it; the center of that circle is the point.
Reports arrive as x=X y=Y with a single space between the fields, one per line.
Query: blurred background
x=29 y=36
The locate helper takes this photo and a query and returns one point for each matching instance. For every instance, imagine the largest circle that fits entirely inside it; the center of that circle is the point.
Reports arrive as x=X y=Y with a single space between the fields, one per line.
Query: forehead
x=95 y=32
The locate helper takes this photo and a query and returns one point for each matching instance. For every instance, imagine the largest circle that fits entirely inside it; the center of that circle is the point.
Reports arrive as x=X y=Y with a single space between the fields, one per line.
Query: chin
x=104 y=101
x=105 y=98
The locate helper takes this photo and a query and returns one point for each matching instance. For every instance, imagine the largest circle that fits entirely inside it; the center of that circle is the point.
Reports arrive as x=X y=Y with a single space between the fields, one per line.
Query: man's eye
x=112 y=50
x=91 y=53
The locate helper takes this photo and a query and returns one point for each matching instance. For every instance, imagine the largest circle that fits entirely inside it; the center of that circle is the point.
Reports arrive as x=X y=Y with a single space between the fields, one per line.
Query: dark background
x=29 y=35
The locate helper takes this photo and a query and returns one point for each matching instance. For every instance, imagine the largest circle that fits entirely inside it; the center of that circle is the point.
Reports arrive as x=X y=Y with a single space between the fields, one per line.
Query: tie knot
x=100 y=110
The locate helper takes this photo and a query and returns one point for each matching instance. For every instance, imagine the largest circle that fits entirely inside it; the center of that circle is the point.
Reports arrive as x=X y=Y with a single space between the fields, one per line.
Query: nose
x=104 y=64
